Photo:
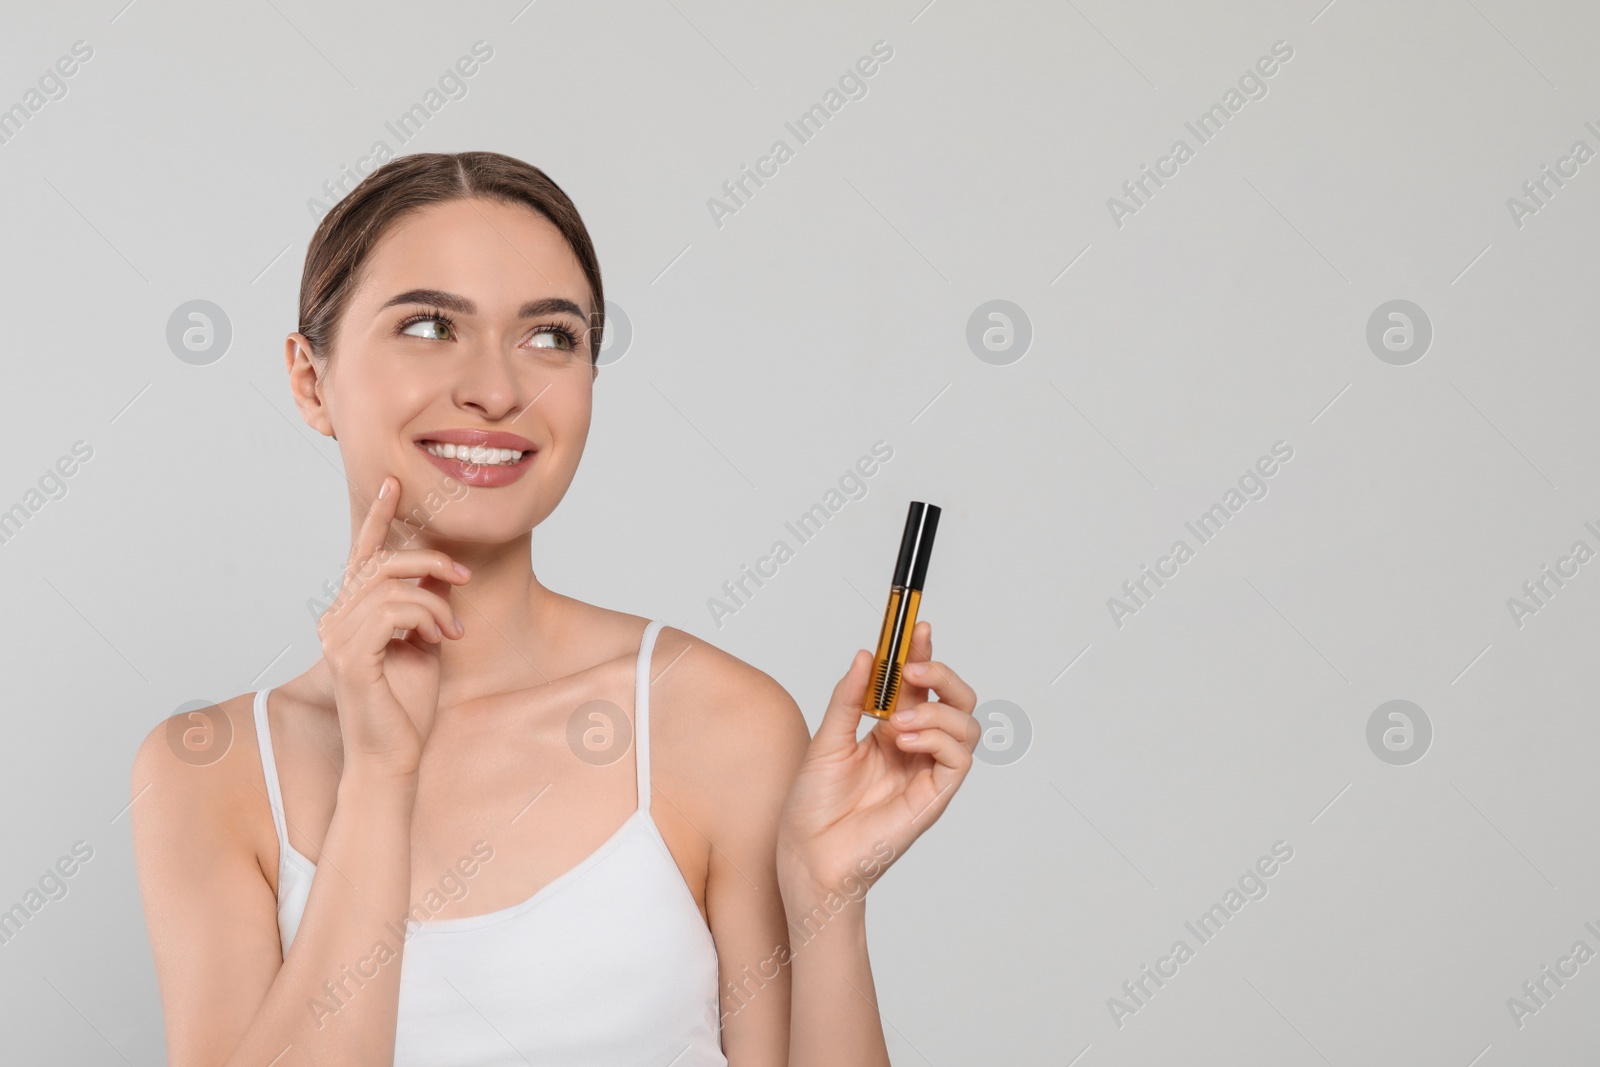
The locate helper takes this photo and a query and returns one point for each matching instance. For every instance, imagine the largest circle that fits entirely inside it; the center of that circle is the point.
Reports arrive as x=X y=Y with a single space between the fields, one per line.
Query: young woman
x=494 y=824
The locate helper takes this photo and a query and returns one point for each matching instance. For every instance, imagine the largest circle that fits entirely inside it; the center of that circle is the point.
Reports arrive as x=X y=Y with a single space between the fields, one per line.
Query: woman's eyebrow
x=550 y=305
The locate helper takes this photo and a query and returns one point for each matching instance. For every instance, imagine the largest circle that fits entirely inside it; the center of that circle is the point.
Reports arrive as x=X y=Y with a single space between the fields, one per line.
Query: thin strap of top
x=641 y=712
x=269 y=768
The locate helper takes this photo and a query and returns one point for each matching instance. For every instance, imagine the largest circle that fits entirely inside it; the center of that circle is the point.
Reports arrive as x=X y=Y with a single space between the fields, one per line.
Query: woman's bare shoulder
x=730 y=706
x=197 y=776
x=202 y=747
x=731 y=740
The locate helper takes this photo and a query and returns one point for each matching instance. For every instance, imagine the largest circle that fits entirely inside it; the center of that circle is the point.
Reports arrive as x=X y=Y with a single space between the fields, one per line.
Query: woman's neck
x=509 y=617
x=512 y=620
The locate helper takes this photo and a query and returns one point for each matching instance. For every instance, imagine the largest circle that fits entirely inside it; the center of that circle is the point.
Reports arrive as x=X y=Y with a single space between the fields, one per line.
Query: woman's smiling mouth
x=478 y=457
x=487 y=456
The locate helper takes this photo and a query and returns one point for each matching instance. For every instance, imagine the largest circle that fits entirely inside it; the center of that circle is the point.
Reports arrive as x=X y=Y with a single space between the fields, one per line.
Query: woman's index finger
x=375 y=527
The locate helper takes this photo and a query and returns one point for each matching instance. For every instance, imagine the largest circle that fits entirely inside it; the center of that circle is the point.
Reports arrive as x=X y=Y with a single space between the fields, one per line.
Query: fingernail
x=903 y=716
x=914 y=669
x=459 y=627
x=462 y=570
x=383 y=490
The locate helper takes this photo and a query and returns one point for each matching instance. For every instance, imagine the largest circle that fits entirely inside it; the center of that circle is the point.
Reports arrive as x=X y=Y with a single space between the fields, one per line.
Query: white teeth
x=481 y=456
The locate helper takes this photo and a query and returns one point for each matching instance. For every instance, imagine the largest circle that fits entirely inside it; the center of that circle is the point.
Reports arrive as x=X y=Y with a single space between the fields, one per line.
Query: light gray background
x=768 y=354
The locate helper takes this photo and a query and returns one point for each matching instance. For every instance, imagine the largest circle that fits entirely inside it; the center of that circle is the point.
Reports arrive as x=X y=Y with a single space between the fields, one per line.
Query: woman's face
x=510 y=357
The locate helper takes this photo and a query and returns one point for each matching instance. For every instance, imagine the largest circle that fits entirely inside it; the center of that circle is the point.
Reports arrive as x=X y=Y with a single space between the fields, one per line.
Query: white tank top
x=608 y=965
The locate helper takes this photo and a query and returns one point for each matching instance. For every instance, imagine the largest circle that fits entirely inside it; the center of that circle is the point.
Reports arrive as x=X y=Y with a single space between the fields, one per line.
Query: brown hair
x=348 y=233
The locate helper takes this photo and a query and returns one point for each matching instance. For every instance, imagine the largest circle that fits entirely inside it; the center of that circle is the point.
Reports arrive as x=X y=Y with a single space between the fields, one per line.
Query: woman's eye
x=434 y=329
x=564 y=342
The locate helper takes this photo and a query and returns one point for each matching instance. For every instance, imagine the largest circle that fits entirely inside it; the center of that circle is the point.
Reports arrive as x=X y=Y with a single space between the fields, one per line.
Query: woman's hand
x=386 y=685
x=852 y=798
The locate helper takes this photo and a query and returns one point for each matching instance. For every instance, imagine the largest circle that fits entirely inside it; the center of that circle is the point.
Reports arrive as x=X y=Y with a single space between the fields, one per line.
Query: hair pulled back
x=348 y=233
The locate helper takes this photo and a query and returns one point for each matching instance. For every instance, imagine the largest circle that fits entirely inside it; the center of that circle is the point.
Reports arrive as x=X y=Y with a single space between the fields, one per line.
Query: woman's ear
x=305 y=383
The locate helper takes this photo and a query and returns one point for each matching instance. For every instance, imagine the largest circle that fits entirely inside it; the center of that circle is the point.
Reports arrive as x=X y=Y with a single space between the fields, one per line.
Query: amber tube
x=900 y=615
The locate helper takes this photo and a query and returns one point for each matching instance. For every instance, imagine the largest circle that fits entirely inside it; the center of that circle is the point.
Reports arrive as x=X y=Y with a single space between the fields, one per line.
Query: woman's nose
x=489 y=386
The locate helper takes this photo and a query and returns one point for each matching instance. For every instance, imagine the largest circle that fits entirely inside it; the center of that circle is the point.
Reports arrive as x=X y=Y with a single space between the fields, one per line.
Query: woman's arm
x=796 y=982
x=808 y=825
x=227 y=996
x=751 y=746
x=834 y=1008
x=854 y=808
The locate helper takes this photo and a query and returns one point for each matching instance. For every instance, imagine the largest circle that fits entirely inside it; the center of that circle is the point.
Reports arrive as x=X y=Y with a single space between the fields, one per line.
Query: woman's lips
x=484 y=475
